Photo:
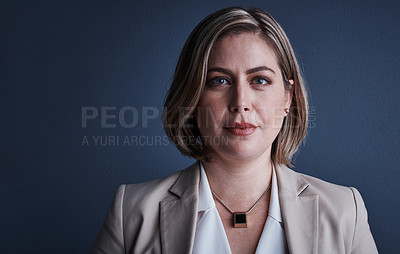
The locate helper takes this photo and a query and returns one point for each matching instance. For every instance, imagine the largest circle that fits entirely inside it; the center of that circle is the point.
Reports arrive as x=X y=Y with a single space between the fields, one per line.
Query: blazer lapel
x=299 y=211
x=178 y=216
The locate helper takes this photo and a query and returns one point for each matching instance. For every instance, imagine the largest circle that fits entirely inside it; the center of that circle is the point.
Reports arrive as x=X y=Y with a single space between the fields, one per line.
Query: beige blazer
x=160 y=216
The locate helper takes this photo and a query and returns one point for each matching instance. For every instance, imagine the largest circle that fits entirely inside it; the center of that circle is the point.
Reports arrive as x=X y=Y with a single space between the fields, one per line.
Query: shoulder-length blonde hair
x=191 y=71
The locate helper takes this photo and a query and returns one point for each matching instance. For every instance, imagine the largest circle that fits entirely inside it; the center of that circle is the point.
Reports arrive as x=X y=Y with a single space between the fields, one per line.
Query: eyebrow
x=259 y=68
x=250 y=71
x=222 y=70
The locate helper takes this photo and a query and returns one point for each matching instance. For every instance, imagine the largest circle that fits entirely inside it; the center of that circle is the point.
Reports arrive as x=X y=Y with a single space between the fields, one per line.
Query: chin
x=243 y=153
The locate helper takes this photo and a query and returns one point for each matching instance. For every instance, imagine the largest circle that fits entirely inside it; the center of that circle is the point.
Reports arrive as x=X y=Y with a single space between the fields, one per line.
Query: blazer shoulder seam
x=353 y=190
x=123 y=187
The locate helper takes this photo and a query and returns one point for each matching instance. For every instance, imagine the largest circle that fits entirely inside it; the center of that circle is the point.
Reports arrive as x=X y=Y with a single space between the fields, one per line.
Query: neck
x=239 y=181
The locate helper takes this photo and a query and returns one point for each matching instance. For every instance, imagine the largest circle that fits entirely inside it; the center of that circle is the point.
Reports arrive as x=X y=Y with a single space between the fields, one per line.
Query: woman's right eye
x=218 y=81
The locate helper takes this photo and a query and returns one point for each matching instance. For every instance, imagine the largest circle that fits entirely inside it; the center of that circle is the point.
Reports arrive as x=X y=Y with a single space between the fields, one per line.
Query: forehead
x=245 y=49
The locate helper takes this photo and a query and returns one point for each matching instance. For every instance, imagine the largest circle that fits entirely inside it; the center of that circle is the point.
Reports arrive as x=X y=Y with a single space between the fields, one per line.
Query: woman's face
x=242 y=107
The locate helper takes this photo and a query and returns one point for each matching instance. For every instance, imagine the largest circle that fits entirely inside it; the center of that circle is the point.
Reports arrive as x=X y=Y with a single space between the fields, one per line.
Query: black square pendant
x=240 y=220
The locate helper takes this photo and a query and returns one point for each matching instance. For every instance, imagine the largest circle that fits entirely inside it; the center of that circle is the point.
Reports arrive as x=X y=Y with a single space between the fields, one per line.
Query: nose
x=240 y=98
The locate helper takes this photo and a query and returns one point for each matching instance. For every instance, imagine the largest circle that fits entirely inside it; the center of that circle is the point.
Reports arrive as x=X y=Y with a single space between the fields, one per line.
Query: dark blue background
x=59 y=56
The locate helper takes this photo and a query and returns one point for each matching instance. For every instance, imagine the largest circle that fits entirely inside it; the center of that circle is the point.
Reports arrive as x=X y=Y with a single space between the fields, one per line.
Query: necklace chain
x=251 y=208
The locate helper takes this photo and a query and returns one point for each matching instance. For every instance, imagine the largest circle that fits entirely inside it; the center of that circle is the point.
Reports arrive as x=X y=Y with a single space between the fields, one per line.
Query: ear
x=289 y=94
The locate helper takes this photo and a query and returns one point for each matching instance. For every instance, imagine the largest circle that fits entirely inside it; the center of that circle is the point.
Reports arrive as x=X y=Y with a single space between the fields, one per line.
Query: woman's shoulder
x=322 y=187
x=154 y=191
x=335 y=197
x=159 y=185
x=330 y=195
x=341 y=209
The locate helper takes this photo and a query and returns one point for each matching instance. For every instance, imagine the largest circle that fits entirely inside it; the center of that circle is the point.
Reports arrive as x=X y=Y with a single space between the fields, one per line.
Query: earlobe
x=286 y=111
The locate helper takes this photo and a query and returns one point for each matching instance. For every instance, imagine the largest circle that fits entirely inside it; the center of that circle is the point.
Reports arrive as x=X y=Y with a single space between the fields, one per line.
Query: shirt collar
x=206 y=200
x=274 y=205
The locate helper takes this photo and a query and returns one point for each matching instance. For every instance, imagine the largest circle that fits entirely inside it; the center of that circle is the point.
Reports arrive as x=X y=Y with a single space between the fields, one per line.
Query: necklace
x=240 y=218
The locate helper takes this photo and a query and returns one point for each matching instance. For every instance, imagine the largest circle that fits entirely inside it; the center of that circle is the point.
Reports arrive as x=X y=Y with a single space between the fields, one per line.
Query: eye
x=218 y=81
x=262 y=81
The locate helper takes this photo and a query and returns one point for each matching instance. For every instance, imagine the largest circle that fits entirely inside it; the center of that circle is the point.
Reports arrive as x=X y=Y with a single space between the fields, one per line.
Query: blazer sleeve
x=363 y=242
x=110 y=238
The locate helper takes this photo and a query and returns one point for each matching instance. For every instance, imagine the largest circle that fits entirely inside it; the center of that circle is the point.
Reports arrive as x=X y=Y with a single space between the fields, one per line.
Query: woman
x=238 y=105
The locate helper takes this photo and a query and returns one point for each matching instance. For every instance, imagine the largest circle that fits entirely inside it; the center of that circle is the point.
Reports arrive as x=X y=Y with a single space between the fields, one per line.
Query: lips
x=241 y=129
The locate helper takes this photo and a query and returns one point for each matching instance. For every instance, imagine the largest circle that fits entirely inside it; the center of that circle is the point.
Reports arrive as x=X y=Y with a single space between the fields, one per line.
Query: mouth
x=241 y=129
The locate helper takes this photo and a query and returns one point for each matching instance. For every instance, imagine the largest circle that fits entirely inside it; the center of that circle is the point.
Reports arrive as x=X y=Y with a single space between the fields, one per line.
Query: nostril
x=240 y=109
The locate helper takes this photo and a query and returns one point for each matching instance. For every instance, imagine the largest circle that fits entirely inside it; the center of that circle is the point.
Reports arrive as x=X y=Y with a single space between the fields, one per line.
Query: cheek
x=210 y=114
x=271 y=111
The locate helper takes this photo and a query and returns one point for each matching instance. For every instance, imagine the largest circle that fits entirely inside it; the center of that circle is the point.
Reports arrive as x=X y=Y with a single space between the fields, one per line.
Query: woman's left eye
x=262 y=81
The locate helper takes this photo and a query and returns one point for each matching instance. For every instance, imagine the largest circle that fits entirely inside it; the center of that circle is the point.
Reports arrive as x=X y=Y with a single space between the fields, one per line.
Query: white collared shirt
x=210 y=235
